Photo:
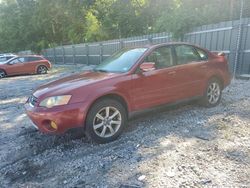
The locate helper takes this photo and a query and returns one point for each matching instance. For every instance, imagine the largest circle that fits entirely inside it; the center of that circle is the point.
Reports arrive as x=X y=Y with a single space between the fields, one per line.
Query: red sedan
x=132 y=80
x=30 y=64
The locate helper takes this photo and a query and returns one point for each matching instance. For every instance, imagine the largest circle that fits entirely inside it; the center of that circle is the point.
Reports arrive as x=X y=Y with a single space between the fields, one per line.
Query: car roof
x=162 y=44
x=153 y=46
x=29 y=56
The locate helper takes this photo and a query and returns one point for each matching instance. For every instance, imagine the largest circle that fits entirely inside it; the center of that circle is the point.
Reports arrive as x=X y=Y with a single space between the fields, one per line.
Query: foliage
x=38 y=24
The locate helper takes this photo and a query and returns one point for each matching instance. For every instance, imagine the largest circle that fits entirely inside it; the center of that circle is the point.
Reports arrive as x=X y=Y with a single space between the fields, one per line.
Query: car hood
x=68 y=84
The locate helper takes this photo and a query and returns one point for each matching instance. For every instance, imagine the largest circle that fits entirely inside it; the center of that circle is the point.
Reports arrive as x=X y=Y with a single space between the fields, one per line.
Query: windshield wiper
x=100 y=70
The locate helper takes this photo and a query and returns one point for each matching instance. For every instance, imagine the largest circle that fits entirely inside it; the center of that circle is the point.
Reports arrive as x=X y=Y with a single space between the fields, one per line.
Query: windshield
x=121 y=61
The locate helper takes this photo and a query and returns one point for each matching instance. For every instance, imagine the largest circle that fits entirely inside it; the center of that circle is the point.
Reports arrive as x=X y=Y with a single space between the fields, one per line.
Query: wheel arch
x=219 y=78
x=3 y=71
x=37 y=66
x=114 y=96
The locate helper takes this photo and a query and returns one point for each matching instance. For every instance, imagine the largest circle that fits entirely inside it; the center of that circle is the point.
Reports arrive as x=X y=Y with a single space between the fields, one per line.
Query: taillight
x=221 y=54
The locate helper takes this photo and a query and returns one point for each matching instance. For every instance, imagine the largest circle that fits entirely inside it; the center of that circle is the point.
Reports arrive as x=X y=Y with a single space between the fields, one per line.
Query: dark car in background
x=29 y=64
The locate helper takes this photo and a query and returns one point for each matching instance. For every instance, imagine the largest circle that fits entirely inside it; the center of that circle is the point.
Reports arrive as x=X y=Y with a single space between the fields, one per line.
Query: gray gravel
x=181 y=146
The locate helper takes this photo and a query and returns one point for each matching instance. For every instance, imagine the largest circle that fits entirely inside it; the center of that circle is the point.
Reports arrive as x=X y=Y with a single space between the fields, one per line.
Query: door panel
x=33 y=63
x=30 y=67
x=155 y=87
x=16 y=68
x=190 y=79
x=190 y=72
x=30 y=64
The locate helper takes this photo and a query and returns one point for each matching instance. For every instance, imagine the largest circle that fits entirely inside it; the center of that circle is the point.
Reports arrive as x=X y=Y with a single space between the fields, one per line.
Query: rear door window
x=203 y=55
x=35 y=58
x=22 y=59
x=186 y=54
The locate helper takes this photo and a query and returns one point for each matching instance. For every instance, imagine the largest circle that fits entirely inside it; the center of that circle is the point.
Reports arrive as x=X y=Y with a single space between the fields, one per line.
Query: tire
x=105 y=121
x=212 y=95
x=42 y=69
x=2 y=74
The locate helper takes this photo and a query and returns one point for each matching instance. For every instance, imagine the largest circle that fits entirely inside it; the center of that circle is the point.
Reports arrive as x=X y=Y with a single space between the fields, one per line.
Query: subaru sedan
x=101 y=100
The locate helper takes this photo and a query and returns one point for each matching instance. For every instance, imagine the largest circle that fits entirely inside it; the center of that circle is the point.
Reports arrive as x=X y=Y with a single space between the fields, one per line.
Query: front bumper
x=65 y=117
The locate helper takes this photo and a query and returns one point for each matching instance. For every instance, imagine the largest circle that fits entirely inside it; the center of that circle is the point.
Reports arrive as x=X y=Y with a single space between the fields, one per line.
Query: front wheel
x=212 y=94
x=2 y=74
x=42 y=69
x=105 y=121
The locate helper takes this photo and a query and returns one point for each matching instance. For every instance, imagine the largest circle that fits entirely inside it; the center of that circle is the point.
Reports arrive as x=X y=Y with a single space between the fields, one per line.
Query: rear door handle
x=172 y=72
x=204 y=66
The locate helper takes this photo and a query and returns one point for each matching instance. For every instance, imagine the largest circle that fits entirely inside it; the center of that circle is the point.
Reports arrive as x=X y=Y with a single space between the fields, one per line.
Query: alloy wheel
x=107 y=122
x=2 y=74
x=213 y=93
x=42 y=70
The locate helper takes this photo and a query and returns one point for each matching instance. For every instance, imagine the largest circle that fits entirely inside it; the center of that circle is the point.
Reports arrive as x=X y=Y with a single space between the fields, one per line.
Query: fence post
x=122 y=44
x=150 y=40
x=239 y=51
x=87 y=53
x=74 y=54
x=63 y=55
x=101 y=53
x=239 y=38
x=54 y=50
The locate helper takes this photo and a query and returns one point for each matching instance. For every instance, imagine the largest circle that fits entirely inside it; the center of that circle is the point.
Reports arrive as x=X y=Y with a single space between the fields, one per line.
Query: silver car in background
x=6 y=57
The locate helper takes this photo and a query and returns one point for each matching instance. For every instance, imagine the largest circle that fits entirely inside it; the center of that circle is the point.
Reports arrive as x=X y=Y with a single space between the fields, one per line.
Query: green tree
x=180 y=18
x=38 y=24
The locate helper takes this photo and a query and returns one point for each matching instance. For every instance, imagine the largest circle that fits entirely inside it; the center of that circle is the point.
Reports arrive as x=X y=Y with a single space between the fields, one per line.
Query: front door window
x=162 y=57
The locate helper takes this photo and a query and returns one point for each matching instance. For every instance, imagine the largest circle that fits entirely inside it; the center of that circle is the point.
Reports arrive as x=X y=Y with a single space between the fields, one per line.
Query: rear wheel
x=42 y=69
x=213 y=93
x=2 y=74
x=105 y=121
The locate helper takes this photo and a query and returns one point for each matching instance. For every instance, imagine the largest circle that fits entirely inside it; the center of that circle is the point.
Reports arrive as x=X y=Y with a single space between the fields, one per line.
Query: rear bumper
x=50 y=65
x=65 y=117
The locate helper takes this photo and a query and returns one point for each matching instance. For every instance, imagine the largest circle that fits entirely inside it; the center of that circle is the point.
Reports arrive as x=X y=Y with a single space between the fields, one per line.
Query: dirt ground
x=184 y=146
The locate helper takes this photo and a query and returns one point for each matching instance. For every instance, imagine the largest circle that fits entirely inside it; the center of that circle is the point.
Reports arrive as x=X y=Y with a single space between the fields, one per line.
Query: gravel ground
x=183 y=146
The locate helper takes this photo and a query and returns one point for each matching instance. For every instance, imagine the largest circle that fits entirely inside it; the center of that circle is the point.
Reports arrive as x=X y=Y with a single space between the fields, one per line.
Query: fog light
x=53 y=125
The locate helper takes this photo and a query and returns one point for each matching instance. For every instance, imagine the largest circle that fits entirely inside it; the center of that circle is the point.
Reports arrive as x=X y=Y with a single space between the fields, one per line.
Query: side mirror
x=10 y=63
x=147 y=66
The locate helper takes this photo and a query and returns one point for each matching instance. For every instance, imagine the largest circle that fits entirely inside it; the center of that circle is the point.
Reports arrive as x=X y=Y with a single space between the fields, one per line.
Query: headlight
x=55 y=101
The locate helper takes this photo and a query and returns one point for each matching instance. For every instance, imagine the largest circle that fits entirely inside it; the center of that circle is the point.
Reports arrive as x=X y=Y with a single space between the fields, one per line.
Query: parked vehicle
x=5 y=57
x=29 y=64
x=132 y=80
x=7 y=54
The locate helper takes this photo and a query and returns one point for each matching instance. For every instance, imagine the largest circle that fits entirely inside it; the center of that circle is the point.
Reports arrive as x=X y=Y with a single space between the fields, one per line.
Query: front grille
x=32 y=100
